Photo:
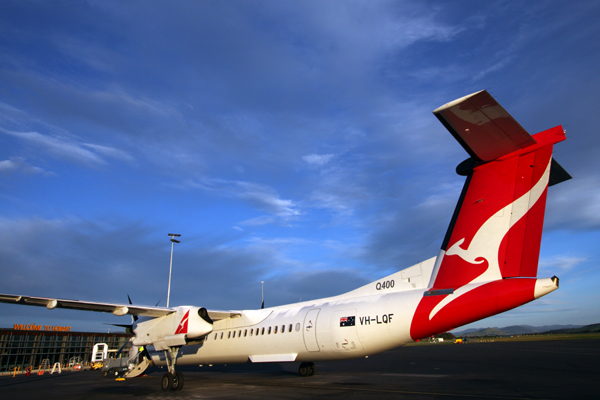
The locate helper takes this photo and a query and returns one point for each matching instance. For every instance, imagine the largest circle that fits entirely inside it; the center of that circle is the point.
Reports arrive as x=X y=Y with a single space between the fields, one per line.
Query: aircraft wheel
x=307 y=369
x=177 y=381
x=167 y=381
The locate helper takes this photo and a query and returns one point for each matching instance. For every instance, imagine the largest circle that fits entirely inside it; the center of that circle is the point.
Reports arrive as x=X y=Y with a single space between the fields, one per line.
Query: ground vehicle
x=96 y=365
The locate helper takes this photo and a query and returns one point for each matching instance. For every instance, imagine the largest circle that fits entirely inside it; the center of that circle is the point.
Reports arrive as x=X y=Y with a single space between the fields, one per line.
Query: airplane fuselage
x=327 y=329
x=344 y=327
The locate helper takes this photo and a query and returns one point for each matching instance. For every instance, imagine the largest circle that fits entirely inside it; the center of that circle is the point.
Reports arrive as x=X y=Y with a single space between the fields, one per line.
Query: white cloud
x=58 y=146
x=110 y=152
x=318 y=160
x=562 y=263
x=8 y=166
x=332 y=201
x=69 y=148
x=259 y=196
x=18 y=164
x=574 y=204
x=445 y=194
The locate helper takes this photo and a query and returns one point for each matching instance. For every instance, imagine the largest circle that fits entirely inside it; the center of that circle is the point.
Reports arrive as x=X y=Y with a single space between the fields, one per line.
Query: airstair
x=129 y=366
x=138 y=369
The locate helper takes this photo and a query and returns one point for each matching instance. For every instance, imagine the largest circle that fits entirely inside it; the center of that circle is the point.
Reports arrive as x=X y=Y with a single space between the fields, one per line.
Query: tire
x=313 y=369
x=177 y=381
x=304 y=369
x=167 y=381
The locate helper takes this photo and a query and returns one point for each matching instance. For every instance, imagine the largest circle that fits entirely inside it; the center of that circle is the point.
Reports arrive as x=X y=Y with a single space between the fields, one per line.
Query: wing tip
x=455 y=102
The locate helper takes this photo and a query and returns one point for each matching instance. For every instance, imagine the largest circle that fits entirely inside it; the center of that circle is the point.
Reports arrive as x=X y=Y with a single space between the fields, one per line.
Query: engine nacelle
x=187 y=323
x=195 y=323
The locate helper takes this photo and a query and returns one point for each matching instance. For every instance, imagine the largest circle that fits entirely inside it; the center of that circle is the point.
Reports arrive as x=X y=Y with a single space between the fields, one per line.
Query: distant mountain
x=583 y=329
x=522 y=330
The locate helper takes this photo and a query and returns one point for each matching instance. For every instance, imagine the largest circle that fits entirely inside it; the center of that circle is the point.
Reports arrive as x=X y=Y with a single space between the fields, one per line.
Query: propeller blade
x=128 y=327
x=135 y=317
x=122 y=347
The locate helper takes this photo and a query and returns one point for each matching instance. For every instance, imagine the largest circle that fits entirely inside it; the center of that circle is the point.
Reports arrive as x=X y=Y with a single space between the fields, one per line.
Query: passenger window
x=240 y=333
x=234 y=334
x=275 y=329
x=263 y=331
x=290 y=329
x=251 y=330
x=269 y=331
x=282 y=328
x=221 y=335
x=229 y=335
x=298 y=327
x=216 y=336
x=245 y=332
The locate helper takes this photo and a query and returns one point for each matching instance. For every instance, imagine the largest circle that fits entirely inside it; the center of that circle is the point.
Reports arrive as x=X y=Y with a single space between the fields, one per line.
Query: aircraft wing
x=116 y=309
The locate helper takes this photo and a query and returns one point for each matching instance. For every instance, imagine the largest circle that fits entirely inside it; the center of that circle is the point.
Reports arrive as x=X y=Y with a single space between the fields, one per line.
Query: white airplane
x=487 y=265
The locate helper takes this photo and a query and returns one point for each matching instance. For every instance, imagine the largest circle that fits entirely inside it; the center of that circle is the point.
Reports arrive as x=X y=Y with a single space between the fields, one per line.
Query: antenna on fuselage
x=262 y=292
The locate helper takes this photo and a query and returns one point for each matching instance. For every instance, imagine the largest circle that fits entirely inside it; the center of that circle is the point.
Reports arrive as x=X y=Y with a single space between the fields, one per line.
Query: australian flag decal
x=347 y=321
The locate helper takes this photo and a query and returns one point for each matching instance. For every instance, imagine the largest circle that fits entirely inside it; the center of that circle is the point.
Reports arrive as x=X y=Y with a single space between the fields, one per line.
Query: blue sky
x=287 y=142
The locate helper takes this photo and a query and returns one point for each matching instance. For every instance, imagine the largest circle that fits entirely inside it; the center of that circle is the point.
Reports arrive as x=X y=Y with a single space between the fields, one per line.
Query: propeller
x=129 y=330
x=128 y=327
x=134 y=317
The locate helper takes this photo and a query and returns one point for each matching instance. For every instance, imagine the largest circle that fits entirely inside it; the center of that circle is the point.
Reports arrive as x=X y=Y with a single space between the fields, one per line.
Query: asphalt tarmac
x=510 y=370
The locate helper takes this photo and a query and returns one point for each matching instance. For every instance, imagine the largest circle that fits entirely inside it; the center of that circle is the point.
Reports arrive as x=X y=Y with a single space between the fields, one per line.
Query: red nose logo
x=183 y=325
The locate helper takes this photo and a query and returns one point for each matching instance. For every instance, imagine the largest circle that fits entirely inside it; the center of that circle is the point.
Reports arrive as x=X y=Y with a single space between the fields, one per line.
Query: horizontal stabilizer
x=483 y=127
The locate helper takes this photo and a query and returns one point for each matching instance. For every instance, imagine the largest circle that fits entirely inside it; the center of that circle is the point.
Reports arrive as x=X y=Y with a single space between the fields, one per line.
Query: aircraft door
x=309 y=330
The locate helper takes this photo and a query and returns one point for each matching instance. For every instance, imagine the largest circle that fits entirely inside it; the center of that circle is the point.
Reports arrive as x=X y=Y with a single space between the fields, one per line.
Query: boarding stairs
x=138 y=369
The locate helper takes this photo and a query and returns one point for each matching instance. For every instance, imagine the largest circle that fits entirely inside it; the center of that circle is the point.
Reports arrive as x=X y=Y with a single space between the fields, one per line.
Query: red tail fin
x=496 y=229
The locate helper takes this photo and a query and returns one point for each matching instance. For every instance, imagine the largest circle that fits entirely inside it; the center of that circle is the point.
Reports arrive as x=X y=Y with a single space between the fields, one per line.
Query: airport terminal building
x=42 y=346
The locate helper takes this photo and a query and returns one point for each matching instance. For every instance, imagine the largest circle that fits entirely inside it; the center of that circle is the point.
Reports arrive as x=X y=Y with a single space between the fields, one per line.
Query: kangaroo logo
x=183 y=325
x=486 y=242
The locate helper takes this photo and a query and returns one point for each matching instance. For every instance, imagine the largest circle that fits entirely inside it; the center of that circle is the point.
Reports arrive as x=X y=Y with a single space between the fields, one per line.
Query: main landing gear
x=307 y=369
x=172 y=380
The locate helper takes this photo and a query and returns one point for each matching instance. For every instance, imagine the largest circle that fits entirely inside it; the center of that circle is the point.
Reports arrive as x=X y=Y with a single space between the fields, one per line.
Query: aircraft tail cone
x=545 y=286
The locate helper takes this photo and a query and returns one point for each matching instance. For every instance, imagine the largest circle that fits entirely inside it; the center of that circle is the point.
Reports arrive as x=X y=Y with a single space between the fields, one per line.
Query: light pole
x=173 y=240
